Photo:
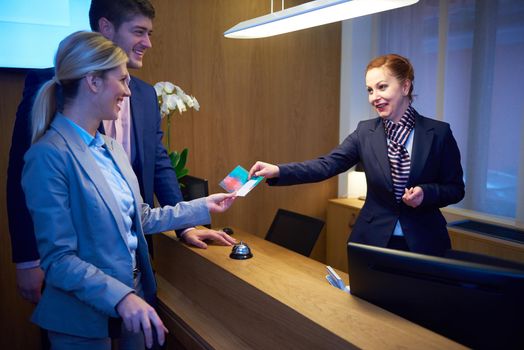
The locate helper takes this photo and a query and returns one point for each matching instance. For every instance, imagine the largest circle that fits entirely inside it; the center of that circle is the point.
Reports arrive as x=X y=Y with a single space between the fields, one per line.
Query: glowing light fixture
x=310 y=14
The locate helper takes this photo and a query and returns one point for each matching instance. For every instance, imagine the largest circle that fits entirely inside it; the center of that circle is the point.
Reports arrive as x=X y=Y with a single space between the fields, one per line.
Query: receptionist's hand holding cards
x=237 y=180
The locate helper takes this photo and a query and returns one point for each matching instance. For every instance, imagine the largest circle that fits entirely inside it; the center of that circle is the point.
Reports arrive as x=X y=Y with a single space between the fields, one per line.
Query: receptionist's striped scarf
x=398 y=155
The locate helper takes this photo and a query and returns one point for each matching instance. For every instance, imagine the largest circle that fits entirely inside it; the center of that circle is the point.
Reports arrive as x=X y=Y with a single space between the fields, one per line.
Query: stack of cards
x=334 y=279
x=237 y=180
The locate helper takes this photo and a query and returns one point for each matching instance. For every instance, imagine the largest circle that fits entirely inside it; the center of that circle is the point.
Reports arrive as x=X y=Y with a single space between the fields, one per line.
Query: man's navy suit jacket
x=150 y=160
x=435 y=167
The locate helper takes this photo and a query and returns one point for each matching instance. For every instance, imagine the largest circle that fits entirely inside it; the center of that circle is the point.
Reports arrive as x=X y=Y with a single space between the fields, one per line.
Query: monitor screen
x=32 y=29
x=477 y=305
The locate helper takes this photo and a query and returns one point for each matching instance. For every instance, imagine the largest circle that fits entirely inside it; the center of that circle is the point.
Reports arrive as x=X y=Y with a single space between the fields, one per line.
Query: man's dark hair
x=118 y=11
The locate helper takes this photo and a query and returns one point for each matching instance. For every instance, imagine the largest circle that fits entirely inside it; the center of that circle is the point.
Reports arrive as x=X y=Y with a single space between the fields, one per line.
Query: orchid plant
x=172 y=98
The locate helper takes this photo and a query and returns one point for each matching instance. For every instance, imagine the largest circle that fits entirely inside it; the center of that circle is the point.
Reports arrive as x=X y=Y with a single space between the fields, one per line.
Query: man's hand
x=138 y=315
x=413 y=196
x=264 y=169
x=29 y=283
x=196 y=238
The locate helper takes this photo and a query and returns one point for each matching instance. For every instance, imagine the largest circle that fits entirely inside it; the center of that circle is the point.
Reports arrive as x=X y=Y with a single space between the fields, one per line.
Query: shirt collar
x=97 y=141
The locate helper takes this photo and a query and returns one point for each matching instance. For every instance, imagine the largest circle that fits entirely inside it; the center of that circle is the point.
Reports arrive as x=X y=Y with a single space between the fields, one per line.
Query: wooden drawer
x=341 y=216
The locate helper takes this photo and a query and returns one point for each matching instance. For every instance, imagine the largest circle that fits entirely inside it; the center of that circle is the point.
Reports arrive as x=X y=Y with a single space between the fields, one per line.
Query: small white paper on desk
x=334 y=279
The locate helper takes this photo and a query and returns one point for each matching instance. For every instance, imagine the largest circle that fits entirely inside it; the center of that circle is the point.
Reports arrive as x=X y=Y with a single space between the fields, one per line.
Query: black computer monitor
x=477 y=305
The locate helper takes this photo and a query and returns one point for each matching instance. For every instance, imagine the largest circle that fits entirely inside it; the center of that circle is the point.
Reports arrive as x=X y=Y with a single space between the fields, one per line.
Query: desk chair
x=193 y=188
x=295 y=231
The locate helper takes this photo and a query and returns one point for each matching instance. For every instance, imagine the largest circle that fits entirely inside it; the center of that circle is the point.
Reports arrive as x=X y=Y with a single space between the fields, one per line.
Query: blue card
x=237 y=180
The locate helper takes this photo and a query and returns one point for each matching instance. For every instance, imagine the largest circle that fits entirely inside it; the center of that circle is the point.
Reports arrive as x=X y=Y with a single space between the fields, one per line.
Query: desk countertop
x=281 y=292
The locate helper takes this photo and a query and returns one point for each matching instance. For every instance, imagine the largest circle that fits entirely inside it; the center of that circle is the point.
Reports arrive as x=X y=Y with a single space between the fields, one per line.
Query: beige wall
x=274 y=99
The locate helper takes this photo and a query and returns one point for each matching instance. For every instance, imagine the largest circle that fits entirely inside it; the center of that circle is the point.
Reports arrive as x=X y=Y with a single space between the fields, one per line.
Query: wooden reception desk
x=277 y=299
x=342 y=214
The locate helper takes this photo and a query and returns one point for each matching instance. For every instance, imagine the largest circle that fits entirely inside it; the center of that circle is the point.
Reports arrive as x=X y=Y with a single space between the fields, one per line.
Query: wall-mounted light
x=310 y=14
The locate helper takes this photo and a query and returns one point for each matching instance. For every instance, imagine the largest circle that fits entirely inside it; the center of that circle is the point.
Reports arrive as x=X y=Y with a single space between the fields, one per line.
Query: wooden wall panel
x=16 y=331
x=273 y=99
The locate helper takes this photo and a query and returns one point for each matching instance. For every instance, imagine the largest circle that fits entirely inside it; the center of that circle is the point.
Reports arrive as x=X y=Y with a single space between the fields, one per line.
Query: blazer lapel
x=380 y=150
x=423 y=138
x=137 y=121
x=122 y=162
x=82 y=154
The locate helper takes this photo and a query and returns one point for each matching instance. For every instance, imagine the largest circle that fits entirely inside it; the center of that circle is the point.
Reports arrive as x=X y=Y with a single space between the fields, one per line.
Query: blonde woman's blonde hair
x=78 y=55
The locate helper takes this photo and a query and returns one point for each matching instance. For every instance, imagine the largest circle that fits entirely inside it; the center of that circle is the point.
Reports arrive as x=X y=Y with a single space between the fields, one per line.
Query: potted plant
x=172 y=98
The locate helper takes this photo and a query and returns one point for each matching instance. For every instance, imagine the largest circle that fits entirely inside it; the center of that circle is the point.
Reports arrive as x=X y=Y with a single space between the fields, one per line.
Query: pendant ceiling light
x=310 y=14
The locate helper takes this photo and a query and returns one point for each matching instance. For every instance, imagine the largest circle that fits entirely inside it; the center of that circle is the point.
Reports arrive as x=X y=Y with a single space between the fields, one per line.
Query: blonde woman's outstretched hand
x=220 y=202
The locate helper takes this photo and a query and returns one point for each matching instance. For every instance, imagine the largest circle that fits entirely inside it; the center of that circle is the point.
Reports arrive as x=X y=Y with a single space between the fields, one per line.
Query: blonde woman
x=85 y=202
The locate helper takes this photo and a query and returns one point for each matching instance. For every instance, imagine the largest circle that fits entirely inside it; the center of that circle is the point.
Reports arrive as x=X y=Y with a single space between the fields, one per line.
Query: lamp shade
x=357 y=186
x=310 y=14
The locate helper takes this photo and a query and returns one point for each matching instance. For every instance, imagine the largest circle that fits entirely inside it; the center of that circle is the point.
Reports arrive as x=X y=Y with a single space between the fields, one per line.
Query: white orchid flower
x=181 y=106
x=171 y=97
x=169 y=87
x=188 y=100
x=172 y=102
x=159 y=87
x=164 y=110
x=179 y=91
x=196 y=105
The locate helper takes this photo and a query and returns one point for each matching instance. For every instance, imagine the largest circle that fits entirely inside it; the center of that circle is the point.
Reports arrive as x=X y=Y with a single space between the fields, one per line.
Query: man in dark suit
x=128 y=23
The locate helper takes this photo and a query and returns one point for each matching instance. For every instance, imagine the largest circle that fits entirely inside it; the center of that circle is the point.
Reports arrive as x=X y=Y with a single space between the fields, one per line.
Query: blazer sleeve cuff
x=115 y=297
x=28 y=264
x=284 y=173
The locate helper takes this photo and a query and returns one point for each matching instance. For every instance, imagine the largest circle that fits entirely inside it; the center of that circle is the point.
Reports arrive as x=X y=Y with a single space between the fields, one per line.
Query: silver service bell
x=241 y=251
